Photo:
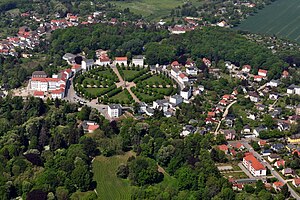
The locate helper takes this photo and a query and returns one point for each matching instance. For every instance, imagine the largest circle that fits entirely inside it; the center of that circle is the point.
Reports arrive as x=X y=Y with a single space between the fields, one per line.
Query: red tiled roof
x=58 y=91
x=175 y=63
x=93 y=127
x=297 y=181
x=121 y=58
x=76 y=66
x=262 y=142
x=237 y=145
x=262 y=71
x=38 y=93
x=257 y=77
x=223 y=147
x=223 y=102
x=182 y=75
x=254 y=162
x=280 y=163
x=211 y=114
x=247 y=66
x=278 y=184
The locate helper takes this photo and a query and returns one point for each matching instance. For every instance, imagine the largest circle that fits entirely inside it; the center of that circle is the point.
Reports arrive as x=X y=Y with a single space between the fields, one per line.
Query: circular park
x=124 y=84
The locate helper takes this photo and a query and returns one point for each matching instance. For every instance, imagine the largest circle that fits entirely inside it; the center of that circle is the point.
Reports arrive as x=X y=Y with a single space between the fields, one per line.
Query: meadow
x=280 y=18
x=152 y=9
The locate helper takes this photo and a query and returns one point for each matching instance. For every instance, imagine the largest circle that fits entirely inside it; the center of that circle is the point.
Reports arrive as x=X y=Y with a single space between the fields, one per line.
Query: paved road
x=224 y=116
x=72 y=97
x=273 y=172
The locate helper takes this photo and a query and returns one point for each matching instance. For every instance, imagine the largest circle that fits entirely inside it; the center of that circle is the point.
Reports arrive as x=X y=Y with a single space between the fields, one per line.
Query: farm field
x=152 y=9
x=109 y=186
x=280 y=18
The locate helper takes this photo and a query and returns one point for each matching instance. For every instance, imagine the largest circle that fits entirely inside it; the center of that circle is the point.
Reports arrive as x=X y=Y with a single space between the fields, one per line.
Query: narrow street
x=224 y=116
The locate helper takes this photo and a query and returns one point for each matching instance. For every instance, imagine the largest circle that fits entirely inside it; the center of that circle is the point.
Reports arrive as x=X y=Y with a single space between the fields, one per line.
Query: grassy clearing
x=154 y=79
x=95 y=91
x=128 y=74
x=280 y=18
x=235 y=175
x=109 y=186
x=121 y=96
x=152 y=9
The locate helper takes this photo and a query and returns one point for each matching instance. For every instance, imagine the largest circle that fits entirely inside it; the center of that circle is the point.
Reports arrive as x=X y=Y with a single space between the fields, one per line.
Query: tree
x=81 y=176
x=285 y=191
x=62 y=193
x=122 y=171
x=144 y=171
x=187 y=178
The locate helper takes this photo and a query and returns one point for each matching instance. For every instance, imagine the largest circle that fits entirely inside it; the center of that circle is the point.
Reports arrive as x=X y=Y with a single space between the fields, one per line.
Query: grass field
x=154 y=79
x=95 y=91
x=280 y=18
x=109 y=186
x=152 y=9
x=121 y=96
x=129 y=74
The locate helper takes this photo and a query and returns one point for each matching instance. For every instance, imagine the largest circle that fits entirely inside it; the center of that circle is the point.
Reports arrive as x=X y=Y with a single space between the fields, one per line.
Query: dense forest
x=159 y=47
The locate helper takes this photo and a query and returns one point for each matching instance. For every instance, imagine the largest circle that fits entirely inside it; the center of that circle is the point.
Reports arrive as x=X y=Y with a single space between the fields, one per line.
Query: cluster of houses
x=53 y=87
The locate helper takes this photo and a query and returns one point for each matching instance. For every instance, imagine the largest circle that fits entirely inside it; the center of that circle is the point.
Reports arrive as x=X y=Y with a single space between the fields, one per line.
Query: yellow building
x=294 y=138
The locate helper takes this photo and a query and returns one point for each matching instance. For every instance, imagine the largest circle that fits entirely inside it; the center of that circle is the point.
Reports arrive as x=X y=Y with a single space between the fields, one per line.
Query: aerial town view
x=149 y=99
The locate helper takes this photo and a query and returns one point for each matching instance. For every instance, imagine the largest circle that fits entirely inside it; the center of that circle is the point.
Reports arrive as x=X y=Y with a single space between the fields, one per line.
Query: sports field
x=281 y=18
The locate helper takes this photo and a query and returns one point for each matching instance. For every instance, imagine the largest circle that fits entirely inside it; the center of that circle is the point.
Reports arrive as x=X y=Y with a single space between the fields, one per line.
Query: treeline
x=43 y=149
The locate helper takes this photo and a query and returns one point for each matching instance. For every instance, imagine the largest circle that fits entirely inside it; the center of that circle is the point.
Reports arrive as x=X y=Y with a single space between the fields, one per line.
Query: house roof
x=278 y=184
x=296 y=181
x=182 y=75
x=237 y=145
x=254 y=162
x=175 y=63
x=115 y=106
x=93 y=127
x=223 y=147
x=262 y=71
x=258 y=77
x=59 y=91
x=39 y=73
x=38 y=93
x=246 y=67
x=121 y=58
x=287 y=171
x=280 y=162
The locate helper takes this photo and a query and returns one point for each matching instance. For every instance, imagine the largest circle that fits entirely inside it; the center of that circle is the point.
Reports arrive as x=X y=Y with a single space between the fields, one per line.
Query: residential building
x=175 y=64
x=294 y=138
x=175 y=72
x=121 y=61
x=254 y=166
x=223 y=147
x=114 y=110
x=182 y=78
x=277 y=185
x=76 y=68
x=274 y=83
x=207 y=62
x=279 y=163
x=70 y=58
x=191 y=71
x=103 y=61
x=176 y=99
x=138 y=60
x=229 y=134
x=287 y=172
x=272 y=157
x=87 y=64
x=39 y=94
x=262 y=72
x=296 y=182
x=277 y=147
x=186 y=93
x=161 y=105
x=246 y=68
x=39 y=74
x=258 y=78
x=60 y=93
x=254 y=97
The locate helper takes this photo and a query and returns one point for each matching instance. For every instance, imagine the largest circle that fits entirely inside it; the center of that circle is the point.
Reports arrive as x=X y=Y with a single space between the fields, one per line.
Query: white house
x=86 y=64
x=39 y=84
x=262 y=72
x=273 y=96
x=191 y=71
x=138 y=60
x=182 y=78
x=258 y=78
x=246 y=68
x=274 y=83
x=114 y=110
x=70 y=58
x=121 y=60
x=176 y=99
x=175 y=72
x=60 y=93
x=253 y=97
x=103 y=61
x=254 y=166
x=186 y=93
x=161 y=105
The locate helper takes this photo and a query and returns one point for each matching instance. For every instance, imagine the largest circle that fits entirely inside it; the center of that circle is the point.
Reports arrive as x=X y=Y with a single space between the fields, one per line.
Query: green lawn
x=154 y=79
x=109 y=186
x=280 y=18
x=121 y=96
x=128 y=74
x=95 y=91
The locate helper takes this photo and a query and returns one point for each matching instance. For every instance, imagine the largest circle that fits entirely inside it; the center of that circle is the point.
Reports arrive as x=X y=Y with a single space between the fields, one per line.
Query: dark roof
x=39 y=73
x=115 y=106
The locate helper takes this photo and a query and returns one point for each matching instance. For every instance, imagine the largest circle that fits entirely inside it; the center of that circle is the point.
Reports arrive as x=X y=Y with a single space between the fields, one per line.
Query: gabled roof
x=278 y=184
x=223 y=147
x=121 y=58
x=254 y=162
x=38 y=93
x=296 y=181
x=262 y=71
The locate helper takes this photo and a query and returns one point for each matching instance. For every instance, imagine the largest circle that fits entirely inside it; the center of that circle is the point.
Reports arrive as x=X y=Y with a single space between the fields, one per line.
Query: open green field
x=109 y=186
x=152 y=9
x=128 y=74
x=121 y=97
x=280 y=18
x=95 y=91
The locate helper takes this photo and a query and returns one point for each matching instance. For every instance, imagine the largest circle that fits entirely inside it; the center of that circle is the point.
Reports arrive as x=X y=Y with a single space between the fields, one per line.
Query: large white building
x=121 y=60
x=254 y=166
x=138 y=60
x=114 y=110
x=87 y=64
x=186 y=93
x=176 y=100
